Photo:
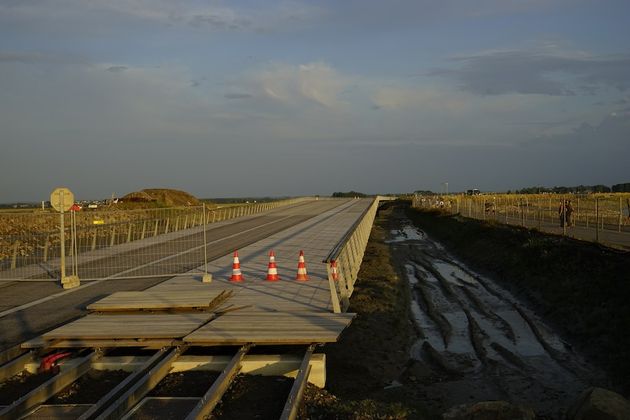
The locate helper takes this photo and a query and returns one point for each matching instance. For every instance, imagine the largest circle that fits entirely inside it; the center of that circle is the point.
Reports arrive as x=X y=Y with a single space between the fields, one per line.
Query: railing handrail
x=334 y=253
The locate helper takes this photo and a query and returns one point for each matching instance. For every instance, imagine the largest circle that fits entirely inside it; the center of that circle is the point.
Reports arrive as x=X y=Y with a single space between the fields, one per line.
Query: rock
x=489 y=410
x=600 y=404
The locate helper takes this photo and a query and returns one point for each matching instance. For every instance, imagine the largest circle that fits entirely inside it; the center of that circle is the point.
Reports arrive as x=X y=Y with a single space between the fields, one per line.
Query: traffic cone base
x=301 y=273
x=272 y=269
x=237 y=276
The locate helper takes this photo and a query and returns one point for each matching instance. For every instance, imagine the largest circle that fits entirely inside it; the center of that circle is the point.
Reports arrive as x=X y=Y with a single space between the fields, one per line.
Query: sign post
x=62 y=199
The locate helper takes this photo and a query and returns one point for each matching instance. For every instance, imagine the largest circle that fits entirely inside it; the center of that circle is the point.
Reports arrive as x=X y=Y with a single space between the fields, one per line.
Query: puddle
x=406 y=233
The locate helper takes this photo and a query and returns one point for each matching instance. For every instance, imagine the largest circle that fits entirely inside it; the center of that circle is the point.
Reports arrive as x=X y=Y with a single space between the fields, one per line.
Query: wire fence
x=603 y=218
x=116 y=243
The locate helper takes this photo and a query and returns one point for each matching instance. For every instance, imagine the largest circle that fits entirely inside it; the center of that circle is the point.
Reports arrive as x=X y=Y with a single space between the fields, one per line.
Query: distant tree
x=580 y=189
x=621 y=187
x=424 y=192
x=348 y=194
x=601 y=188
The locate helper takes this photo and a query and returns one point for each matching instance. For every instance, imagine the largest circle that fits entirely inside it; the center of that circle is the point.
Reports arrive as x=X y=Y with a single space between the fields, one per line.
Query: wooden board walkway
x=110 y=326
x=270 y=328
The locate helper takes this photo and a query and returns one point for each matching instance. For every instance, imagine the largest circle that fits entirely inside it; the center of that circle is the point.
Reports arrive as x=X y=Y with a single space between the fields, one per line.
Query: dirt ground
x=438 y=326
x=580 y=288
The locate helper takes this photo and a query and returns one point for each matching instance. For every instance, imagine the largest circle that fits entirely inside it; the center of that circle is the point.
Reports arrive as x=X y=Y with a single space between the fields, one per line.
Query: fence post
x=577 y=211
x=155 y=231
x=168 y=222
x=144 y=229
x=46 y=243
x=113 y=238
x=186 y=222
x=16 y=244
x=596 y=219
x=94 y=239
x=129 y=232
x=563 y=206
x=176 y=224
x=620 y=212
x=206 y=278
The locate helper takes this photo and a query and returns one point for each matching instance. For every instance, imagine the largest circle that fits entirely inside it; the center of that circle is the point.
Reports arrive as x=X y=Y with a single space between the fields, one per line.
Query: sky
x=274 y=98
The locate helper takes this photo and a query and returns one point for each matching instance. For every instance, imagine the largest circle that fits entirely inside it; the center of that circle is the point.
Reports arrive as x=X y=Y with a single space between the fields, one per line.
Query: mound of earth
x=162 y=196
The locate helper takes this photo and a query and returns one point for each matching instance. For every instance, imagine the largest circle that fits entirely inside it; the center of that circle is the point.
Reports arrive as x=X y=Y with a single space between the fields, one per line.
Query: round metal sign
x=61 y=199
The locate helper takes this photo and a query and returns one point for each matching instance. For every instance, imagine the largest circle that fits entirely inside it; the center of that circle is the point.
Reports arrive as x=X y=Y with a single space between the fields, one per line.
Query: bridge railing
x=344 y=260
x=166 y=241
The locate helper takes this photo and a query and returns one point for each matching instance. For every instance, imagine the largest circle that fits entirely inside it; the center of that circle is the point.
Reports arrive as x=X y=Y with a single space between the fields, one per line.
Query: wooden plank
x=34 y=343
x=154 y=300
x=297 y=390
x=49 y=388
x=144 y=343
x=271 y=328
x=129 y=326
x=212 y=397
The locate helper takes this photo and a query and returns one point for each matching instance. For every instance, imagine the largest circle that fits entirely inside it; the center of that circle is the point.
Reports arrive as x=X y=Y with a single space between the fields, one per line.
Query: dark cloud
x=117 y=69
x=529 y=72
x=237 y=95
x=610 y=134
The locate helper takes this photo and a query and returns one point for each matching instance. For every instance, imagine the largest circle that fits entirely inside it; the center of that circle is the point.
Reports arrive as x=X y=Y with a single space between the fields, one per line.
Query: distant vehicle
x=473 y=192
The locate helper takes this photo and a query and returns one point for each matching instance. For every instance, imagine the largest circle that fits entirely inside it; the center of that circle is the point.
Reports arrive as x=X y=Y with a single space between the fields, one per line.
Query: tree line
x=579 y=189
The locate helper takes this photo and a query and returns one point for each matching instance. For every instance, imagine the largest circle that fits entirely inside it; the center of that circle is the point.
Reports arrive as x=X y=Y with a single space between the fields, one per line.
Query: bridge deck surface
x=282 y=312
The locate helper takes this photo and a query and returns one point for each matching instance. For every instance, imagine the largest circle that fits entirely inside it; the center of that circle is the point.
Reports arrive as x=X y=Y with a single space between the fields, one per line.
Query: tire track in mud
x=482 y=334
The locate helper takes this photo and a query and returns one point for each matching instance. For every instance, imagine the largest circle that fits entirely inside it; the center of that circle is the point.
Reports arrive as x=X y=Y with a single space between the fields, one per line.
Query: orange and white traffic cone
x=333 y=270
x=272 y=270
x=301 y=273
x=236 y=269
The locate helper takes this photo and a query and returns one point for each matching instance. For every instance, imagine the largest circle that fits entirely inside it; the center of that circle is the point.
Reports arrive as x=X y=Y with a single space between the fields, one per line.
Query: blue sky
x=247 y=98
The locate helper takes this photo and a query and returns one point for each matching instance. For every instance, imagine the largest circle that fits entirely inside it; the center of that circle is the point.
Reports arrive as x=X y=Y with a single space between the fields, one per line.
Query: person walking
x=562 y=212
x=569 y=211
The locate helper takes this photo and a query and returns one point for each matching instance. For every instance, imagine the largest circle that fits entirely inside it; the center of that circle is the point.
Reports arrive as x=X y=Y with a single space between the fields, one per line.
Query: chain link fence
x=603 y=218
x=115 y=243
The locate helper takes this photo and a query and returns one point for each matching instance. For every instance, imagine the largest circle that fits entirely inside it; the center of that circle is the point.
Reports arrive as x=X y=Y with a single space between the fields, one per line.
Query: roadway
x=28 y=309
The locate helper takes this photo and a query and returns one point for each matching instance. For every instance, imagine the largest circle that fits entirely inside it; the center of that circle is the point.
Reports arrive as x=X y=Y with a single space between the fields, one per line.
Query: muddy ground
x=580 y=288
x=438 y=327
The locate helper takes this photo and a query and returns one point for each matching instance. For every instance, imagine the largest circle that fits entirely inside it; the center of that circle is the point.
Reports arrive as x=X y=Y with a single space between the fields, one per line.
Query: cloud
x=414 y=98
x=314 y=83
x=237 y=96
x=117 y=69
x=200 y=15
x=39 y=58
x=539 y=72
